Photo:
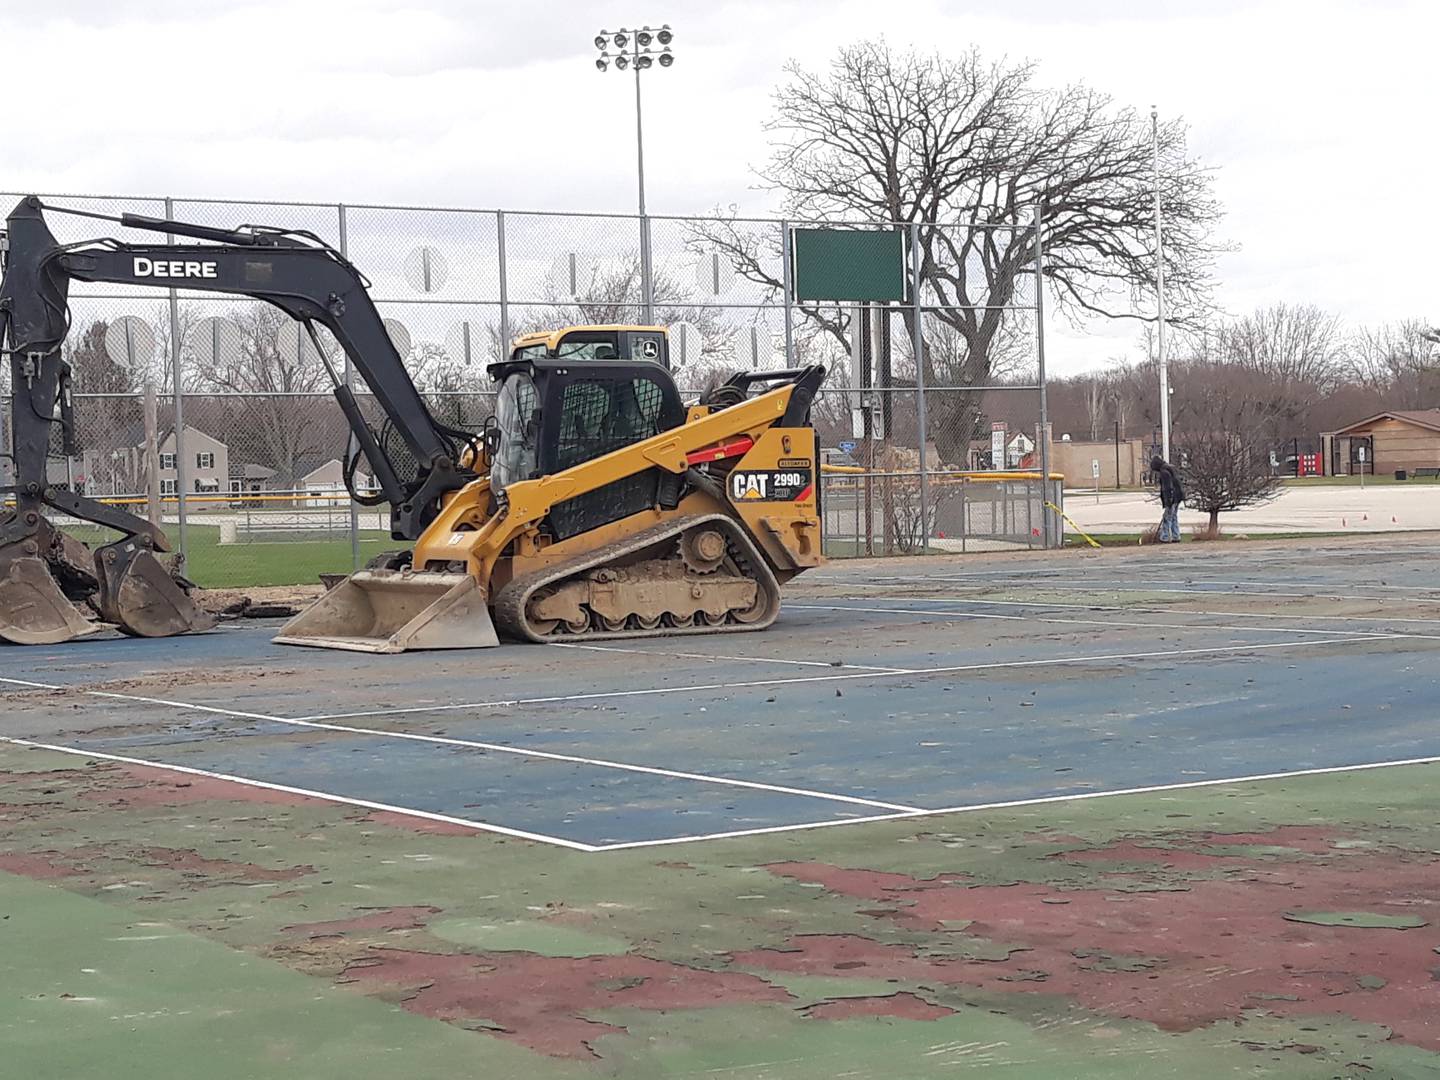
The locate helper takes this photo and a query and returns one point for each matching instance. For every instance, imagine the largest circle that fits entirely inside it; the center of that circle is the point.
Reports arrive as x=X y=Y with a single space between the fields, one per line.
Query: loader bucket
x=33 y=608
x=391 y=611
x=139 y=596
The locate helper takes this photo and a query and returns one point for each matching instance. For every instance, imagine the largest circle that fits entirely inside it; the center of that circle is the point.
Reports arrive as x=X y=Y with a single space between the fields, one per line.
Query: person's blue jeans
x=1170 y=525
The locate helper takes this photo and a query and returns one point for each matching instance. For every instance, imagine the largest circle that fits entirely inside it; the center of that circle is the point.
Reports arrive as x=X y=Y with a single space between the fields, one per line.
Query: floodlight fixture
x=635 y=48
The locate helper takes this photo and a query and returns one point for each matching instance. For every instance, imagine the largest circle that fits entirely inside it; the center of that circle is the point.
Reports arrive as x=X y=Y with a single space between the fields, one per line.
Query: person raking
x=1171 y=496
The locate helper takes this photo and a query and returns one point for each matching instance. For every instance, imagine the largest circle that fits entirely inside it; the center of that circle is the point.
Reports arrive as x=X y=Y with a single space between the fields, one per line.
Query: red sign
x=1309 y=465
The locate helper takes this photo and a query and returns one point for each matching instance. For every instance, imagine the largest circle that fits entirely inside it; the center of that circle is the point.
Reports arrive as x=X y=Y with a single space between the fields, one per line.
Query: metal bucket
x=391 y=611
x=33 y=609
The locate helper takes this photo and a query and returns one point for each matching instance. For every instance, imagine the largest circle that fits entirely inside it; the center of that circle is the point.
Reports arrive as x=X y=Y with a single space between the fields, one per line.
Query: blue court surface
x=887 y=689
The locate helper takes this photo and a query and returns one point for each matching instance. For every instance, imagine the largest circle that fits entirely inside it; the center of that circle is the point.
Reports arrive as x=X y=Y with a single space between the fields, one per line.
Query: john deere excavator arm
x=294 y=271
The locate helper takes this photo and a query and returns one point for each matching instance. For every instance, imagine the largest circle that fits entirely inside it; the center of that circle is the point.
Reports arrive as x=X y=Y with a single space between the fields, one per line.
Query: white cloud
x=1318 y=116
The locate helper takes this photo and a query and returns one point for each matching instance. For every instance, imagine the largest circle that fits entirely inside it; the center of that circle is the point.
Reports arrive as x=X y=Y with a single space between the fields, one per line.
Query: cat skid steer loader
x=609 y=509
x=593 y=504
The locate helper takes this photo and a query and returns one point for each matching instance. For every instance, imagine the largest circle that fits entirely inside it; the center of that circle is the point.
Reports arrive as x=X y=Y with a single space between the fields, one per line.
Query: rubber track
x=510 y=602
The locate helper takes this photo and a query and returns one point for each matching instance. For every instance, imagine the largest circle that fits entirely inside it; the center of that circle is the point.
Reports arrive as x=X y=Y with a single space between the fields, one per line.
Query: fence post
x=350 y=443
x=1040 y=363
x=917 y=337
x=789 y=289
x=182 y=470
x=504 y=286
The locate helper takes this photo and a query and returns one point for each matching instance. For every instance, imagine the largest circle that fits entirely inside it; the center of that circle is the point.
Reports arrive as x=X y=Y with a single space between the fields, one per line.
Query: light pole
x=1160 y=293
x=640 y=49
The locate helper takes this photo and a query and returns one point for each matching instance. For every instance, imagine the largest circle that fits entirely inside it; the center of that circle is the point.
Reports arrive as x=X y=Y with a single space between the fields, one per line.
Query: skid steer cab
x=604 y=505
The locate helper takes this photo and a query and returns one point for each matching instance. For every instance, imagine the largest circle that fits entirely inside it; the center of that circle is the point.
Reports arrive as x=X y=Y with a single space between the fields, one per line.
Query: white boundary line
x=902 y=812
x=1043 y=800
x=1359 y=635
x=715 y=657
x=949 y=669
x=499 y=748
x=1030 y=583
x=1059 y=605
x=308 y=793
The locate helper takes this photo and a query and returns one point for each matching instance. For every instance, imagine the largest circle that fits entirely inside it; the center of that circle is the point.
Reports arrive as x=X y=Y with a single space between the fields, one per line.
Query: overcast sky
x=1319 y=117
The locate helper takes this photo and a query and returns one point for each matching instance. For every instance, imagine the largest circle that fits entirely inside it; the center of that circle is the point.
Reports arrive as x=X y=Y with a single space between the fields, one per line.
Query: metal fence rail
x=244 y=406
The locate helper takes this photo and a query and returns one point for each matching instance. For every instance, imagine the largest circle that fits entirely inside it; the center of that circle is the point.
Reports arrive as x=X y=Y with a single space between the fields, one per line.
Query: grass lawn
x=282 y=562
x=1354 y=481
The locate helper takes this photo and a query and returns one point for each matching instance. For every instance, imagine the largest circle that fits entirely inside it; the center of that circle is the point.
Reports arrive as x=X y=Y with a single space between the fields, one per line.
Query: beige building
x=324 y=485
x=1077 y=461
x=1388 y=442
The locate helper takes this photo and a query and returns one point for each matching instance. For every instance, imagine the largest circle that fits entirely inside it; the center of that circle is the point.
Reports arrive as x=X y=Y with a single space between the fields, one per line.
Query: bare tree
x=966 y=149
x=1299 y=346
x=1397 y=360
x=273 y=385
x=1225 y=444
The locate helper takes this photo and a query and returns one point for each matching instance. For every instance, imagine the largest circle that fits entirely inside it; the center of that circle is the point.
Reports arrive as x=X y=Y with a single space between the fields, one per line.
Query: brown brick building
x=1408 y=440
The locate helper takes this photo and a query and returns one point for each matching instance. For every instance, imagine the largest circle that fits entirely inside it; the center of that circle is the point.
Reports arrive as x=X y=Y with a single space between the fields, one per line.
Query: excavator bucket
x=140 y=596
x=34 y=610
x=391 y=611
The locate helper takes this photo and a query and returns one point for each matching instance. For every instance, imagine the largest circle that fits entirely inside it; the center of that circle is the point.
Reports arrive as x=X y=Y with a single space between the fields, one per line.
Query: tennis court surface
x=1167 y=812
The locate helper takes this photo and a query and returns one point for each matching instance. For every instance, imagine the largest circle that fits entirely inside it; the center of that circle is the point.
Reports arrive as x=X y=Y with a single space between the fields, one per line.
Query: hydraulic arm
x=296 y=272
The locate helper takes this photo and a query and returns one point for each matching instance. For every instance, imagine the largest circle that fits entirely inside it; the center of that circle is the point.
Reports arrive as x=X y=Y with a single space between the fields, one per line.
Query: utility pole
x=1160 y=293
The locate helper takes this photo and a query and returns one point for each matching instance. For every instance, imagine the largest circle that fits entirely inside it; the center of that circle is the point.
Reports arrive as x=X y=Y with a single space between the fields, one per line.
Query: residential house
x=324 y=485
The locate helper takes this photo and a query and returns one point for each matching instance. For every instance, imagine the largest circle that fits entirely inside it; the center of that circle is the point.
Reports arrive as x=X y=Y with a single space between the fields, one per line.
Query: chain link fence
x=940 y=455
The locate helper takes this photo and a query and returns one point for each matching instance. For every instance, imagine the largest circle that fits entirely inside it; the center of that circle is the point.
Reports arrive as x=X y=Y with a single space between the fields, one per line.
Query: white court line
x=1042 y=800
x=424 y=815
x=949 y=669
x=1061 y=606
x=1123 y=625
x=714 y=656
x=499 y=748
x=1310 y=584
x=1029 y=583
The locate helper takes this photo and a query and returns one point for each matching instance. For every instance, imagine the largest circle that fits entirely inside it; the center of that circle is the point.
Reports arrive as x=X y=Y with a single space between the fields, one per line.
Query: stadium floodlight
x=637 y=48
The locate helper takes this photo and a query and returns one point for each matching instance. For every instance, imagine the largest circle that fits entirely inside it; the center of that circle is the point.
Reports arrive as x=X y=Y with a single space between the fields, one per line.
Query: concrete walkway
x=1382 y=508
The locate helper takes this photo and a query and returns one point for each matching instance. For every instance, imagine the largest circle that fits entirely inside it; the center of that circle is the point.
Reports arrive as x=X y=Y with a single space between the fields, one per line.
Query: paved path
x=1319 y=508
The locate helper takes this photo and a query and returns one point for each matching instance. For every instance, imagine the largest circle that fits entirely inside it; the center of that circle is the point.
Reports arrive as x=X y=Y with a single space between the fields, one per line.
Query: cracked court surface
x=859 y=762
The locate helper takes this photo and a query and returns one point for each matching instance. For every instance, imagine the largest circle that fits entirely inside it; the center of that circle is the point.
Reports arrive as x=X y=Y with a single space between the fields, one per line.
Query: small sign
x=1095 y=468
x=997 y=446
x=848 y=446
x=1360 y=450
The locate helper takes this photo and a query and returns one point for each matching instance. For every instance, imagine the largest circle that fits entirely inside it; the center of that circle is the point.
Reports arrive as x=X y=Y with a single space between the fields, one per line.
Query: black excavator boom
x=42 y=570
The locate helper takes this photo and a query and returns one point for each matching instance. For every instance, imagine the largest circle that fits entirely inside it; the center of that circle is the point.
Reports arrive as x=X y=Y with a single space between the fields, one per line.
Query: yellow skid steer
x=605 y=508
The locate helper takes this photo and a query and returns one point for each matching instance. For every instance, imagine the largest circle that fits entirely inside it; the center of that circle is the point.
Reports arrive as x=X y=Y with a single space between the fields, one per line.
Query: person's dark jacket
x=1171 y=493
